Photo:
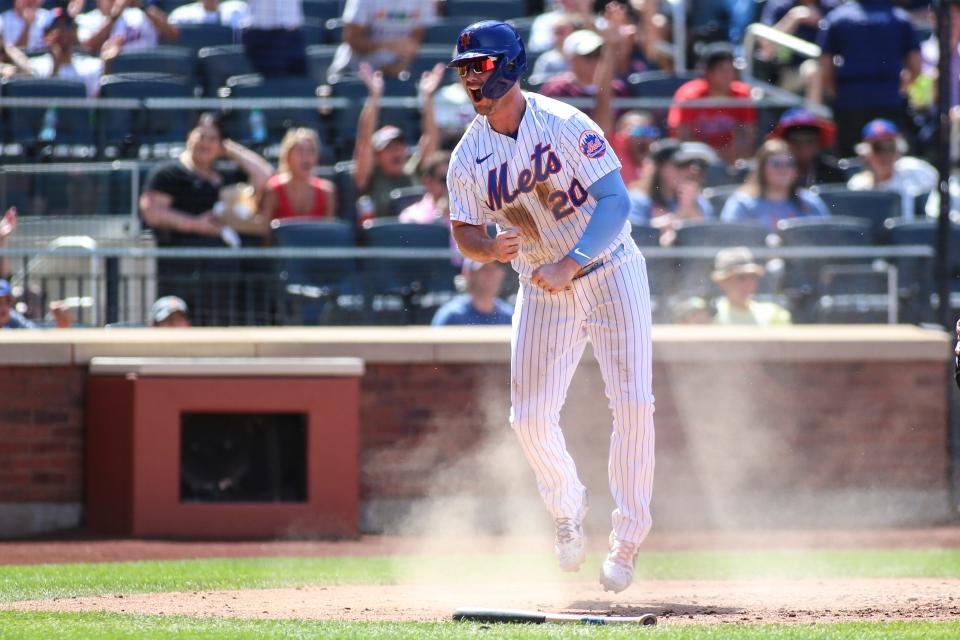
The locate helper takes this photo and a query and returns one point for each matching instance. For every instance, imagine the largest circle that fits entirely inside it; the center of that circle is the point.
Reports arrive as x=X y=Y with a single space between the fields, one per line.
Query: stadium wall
x=793 y=427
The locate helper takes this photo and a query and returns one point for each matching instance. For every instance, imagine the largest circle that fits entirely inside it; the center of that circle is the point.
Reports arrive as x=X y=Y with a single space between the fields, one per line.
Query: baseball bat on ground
x=537 y=617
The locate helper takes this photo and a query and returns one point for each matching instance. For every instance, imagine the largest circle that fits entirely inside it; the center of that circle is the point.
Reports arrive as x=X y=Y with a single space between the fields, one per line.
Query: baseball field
x=814 y=584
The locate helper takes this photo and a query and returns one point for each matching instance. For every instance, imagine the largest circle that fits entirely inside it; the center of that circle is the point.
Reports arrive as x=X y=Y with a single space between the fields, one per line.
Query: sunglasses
x=480 y=65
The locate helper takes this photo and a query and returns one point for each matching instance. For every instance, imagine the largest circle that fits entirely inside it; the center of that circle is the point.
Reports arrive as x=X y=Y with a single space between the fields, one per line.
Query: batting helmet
x=493 y=39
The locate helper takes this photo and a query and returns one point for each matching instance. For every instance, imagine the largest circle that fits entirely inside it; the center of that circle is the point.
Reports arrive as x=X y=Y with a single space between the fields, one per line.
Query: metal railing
x=259 y=286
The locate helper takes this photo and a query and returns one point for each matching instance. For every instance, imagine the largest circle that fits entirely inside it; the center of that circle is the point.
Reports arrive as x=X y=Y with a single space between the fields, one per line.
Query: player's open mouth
x=476 y=95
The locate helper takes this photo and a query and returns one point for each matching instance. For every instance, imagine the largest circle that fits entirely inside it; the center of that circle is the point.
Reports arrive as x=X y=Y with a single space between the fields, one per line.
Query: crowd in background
x=876 y=74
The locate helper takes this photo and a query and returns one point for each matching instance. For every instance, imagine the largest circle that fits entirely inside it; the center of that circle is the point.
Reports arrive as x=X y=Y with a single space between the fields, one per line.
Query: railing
x=254 y=286
x=756 y=32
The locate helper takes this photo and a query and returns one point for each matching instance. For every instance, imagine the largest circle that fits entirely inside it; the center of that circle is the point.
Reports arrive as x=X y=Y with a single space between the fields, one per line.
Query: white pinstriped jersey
x=536 y=183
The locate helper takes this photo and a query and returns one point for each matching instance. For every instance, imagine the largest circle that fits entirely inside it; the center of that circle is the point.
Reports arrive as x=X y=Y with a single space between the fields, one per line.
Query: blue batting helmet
x=495 y=39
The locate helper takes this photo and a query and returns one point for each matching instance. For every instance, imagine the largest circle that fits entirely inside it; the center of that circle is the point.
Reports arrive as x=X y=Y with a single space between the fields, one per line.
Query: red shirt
x=713 y=125
x=285 y=208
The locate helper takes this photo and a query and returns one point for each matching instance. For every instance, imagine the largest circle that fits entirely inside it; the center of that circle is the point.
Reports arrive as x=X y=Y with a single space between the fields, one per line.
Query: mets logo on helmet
x=592 y=144
x=464 y=40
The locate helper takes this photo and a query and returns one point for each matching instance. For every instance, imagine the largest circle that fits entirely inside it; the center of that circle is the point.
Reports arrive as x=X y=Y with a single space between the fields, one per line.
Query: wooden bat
x=536 y=617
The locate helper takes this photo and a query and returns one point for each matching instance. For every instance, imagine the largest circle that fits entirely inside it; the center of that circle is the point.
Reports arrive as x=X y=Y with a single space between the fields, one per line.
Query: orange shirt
x=712 y=125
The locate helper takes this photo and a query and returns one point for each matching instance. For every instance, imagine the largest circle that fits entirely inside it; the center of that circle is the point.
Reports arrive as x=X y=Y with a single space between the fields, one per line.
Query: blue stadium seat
x=400 y=199
x=24 y=124
x=321 y=9
x=873 y=206
x=693 y=274
x=445 y=31
x=915 y=275
x=406 y=280
x=314 y=284
x=319 y=59
x=173 y=61
x=807 y=280
x=276 y=121
x=645 y=235
x=198 y=36
x=219 y=63
x=345 y=120
x=128 y=133
x=489 y=9
x=656 y=84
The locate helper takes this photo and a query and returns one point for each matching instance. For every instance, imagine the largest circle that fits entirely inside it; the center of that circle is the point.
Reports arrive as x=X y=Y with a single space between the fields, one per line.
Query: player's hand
x=557 y=276
x=506 y=245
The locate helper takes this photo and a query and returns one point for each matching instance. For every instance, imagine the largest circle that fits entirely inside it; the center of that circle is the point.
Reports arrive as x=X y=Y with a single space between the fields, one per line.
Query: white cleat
x=570 y=547
x=617 y=572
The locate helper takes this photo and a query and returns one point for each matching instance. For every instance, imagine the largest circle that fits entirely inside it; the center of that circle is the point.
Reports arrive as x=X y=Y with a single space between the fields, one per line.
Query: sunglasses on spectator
x=480 y=65
x=645 y=131
x=687 y=164
x=803 y=138
x=884 y=147
x=782 y=163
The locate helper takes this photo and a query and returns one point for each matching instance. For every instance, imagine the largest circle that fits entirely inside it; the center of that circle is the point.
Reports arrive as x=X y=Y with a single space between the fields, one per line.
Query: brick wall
x=41 y=434
x=751 y=443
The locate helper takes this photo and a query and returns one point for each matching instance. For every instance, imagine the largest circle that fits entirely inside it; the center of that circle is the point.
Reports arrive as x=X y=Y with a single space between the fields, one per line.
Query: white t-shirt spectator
x=13 y=26
x=387 y=20
x=231 y=13
x=133 y=26
x=911 y=177
x=275 y=14
x=86 y=68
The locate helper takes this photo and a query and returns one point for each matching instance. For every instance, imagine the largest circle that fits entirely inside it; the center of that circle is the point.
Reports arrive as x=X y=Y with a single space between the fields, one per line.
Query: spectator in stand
x=870 y=56
x=170 y=312
x=434 y=206
x=738 y=274
x=10 y=318
x=631 y=141
x=592 y=59
x=809 y=137
x=294 y=192
x=24 y=25
x=771 y=192
x=729 y=130
x=178 y=204
x=670 y=192
x=641 y=30
x=381 y=160
x=8 y=225
x=553 y=62
x=543 y=30
x=273 y=38
x=384 y=34
x=61 y=61
x=797 y=18
x=230 y=13
x=479 y=304
x=888 y=169
x=12 y=60
x=122 y=24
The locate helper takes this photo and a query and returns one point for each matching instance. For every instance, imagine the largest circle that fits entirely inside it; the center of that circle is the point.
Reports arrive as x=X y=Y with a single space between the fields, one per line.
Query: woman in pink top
x=294 y=192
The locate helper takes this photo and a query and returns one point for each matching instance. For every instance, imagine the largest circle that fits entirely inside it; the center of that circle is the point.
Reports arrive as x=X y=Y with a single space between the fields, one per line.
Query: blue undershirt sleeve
x=613 y=205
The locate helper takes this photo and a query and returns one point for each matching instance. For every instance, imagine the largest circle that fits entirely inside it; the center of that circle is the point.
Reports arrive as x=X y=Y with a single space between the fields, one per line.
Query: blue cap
x=5 y=288
x=879 y=128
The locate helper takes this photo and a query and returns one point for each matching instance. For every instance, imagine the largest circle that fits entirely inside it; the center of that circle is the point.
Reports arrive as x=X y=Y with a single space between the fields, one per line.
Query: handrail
x=879 y=252
x=761 y=31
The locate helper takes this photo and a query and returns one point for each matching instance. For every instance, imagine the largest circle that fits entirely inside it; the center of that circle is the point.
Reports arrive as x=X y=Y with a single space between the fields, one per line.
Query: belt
x=596 y=264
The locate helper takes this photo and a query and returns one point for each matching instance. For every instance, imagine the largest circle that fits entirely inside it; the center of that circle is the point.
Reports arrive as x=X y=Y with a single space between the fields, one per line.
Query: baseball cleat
x=570 y=548
x=617 y=572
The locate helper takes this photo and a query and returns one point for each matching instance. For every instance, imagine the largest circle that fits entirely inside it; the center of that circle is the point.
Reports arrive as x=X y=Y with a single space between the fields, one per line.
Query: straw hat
x=734 y=261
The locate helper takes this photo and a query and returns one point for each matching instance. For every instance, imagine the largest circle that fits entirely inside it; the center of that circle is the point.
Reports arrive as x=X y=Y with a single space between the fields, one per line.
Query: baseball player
x=544 y=173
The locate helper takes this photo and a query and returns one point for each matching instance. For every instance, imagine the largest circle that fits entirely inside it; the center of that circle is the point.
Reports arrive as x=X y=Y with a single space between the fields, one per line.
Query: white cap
x=581 y=43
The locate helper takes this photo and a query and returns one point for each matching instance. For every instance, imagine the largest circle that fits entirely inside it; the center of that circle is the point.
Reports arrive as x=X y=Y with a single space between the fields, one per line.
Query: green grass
x=67 y=626
x=27 y=582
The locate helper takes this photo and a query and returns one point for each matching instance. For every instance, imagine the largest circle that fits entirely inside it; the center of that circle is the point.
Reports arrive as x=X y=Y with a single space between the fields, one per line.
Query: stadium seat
x=916 y=275
x=321 y=9
x=645 y=235
x=346 y=192
x=427 y=57
x=489 y=9
x=400 y=199
x=345 y=120
x=24 y=124
x=319 y=59
x=242 y=122
x=446 y=30
x=806 y=280
x=406 y=280
x=717 y=196
x=219 y=63
x=311 y=284
x=323 y=32
x=127 y=133
x=198 y=36
x=693 y=274
x=873 y=206
x=656 y=84
x=173 y=61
